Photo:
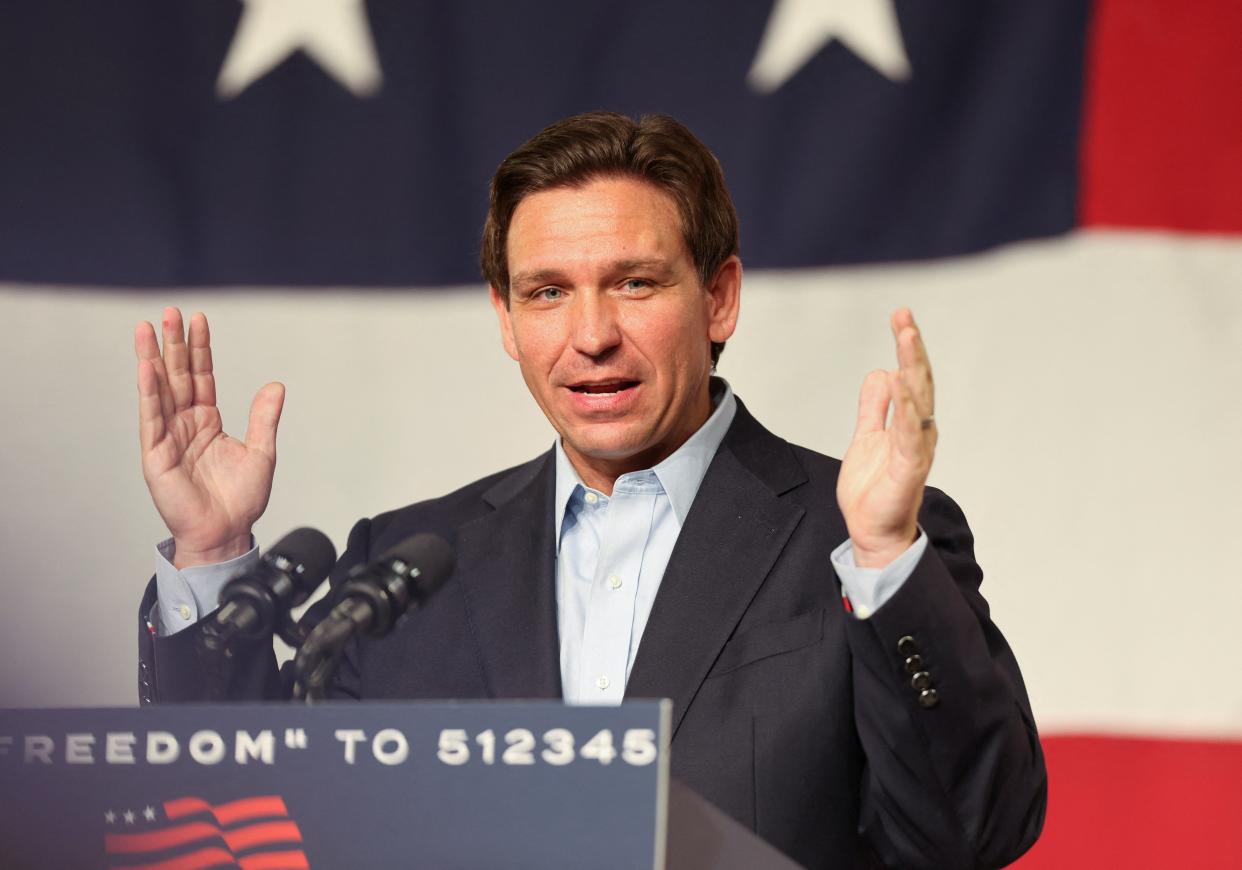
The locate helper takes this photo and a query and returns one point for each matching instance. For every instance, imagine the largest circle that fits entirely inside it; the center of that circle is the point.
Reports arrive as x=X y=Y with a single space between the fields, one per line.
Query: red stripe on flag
x=237 y=839
x=1162 y=124
x=166 y=838
x=227 y=813
x=1140 y=803
x=275 y=861
x=199 y=860
x=262 y=834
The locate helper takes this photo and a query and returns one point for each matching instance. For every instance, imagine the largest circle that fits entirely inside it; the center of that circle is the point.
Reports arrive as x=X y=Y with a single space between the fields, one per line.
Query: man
x=837 y=683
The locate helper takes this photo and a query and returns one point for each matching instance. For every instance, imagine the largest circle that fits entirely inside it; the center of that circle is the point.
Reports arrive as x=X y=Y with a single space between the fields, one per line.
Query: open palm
x=209 y=487
x=880 y=488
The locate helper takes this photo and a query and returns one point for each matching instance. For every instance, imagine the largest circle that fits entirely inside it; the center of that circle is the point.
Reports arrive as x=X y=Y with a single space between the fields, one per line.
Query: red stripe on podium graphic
x=228 y=813
x=205 y=858
x=197 y=860
x=237 y=839
x=1140 y=803
x=252 y=836
x=154 y=841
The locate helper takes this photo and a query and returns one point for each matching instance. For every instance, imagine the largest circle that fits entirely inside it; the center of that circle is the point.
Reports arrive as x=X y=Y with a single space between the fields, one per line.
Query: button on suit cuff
x=183 y=596
x=868 y=588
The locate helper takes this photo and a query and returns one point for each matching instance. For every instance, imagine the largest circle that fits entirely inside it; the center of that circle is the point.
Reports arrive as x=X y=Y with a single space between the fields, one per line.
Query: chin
x=609 y=448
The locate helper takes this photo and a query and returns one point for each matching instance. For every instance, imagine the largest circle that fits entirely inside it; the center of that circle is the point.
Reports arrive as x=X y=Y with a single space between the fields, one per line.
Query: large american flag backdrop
x=1054 y=186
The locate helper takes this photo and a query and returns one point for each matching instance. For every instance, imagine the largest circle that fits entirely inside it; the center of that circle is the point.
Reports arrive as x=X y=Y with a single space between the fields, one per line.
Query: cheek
x=683 y=344
x=537 y=343
x=667 y=337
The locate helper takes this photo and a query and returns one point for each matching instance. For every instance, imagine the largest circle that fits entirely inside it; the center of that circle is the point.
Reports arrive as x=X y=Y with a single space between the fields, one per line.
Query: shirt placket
x=614 y=588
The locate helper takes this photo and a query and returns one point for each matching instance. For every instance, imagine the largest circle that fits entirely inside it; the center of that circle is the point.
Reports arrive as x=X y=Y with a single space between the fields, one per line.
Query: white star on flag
x=149 y=814
x=798 y=29
x=129 y=817
x=336 y=34
x=110 y=817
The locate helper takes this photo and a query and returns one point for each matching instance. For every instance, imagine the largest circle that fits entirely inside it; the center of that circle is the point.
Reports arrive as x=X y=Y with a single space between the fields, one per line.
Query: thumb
x=264 y=418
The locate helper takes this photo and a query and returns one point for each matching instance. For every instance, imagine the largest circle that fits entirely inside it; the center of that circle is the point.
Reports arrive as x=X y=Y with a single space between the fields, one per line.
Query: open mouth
x=604 y=388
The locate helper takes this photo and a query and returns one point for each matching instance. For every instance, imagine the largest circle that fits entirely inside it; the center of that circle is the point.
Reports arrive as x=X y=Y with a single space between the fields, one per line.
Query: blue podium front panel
x=348 y=785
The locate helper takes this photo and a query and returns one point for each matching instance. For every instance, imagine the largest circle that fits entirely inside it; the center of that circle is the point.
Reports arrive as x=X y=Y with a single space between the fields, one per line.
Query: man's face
x=610 y=323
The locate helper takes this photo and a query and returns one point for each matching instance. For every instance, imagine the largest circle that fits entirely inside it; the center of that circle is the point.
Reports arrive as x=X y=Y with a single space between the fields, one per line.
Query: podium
x=356 y=785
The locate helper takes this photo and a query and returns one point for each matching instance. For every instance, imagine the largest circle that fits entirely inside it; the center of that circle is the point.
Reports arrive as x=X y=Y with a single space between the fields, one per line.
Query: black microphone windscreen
x=309 y=548
x=431 y=555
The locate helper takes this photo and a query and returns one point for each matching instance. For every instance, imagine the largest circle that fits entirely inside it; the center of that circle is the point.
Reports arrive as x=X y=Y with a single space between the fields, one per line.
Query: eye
x=636 y=284
x=549 y=293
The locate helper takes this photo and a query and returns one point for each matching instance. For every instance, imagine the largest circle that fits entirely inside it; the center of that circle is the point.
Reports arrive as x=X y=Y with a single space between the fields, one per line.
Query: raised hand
x=210 y=488
x=885 y=469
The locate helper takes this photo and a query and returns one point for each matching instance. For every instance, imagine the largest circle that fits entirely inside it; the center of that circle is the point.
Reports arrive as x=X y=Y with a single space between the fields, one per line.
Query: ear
x=725 y=300
x=506 y=325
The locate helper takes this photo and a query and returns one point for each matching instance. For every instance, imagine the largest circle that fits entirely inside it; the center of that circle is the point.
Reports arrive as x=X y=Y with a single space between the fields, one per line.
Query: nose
x=595 y=327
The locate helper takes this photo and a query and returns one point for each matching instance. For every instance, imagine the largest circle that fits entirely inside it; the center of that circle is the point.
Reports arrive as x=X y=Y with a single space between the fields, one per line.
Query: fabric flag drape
x=1054 y=186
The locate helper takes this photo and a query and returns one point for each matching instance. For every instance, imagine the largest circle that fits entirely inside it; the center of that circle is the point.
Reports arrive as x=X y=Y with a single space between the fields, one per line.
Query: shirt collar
x=680 y=474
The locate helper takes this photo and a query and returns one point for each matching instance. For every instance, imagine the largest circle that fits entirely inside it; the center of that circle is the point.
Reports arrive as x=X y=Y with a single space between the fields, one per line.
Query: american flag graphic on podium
x=188 y=833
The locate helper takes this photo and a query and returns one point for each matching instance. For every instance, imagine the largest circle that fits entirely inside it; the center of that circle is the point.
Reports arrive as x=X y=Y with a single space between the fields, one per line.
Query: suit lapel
x=506 y=566
x=733 y=535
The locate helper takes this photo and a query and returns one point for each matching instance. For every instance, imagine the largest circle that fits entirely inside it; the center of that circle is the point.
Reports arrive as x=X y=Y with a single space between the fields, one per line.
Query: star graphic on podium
x=110 y=817
x=798 y=29
x=129 y=817
x=149 y=814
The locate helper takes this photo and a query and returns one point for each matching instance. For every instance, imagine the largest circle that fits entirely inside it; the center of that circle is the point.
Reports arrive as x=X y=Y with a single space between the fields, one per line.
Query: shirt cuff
x=868 y=588
x=185 y=595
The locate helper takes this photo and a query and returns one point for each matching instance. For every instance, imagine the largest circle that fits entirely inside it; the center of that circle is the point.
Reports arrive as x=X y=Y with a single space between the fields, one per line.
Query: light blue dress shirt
x=611 y=556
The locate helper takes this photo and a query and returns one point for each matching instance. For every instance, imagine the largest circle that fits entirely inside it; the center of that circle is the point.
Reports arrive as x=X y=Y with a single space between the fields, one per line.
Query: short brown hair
x=656 y=149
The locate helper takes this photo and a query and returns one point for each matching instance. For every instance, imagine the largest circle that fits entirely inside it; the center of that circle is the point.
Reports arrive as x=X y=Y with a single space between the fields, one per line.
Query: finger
x=147 y=348
x=915 y=366
x=264 y=418
x=900 y=319
x=200 y=360
x=918 y=387
x=873 y=401
x=177 y=359
x=914 y=441
x=150 y=413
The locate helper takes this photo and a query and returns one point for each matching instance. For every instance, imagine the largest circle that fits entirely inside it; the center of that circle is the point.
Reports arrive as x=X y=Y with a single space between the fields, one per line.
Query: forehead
x=603 y=220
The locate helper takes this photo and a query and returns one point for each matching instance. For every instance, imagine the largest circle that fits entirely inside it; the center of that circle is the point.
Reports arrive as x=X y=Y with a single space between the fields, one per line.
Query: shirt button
x=602 y=682
x=614 y=582
x=590 y=498
x=184 y=611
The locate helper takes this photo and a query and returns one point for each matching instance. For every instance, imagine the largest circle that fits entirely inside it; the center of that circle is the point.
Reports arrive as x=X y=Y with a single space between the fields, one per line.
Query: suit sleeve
x=954 y=774
x=173 y=669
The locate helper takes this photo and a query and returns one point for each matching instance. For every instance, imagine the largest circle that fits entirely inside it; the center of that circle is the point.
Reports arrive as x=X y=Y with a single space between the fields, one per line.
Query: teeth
x=601 y=390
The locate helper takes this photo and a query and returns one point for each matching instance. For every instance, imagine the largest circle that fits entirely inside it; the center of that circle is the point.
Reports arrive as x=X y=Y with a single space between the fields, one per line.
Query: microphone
x=259 y=601
x=372 y=600
x=375 y=596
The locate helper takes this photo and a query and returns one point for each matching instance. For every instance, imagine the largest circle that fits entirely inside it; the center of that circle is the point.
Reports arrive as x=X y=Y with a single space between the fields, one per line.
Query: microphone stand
x=320 y=653
x=215 y=651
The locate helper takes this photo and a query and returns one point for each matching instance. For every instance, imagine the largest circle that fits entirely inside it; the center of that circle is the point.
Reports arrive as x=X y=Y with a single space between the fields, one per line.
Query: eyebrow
x=641 y=265
x=552 y=276
x=543 y=276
